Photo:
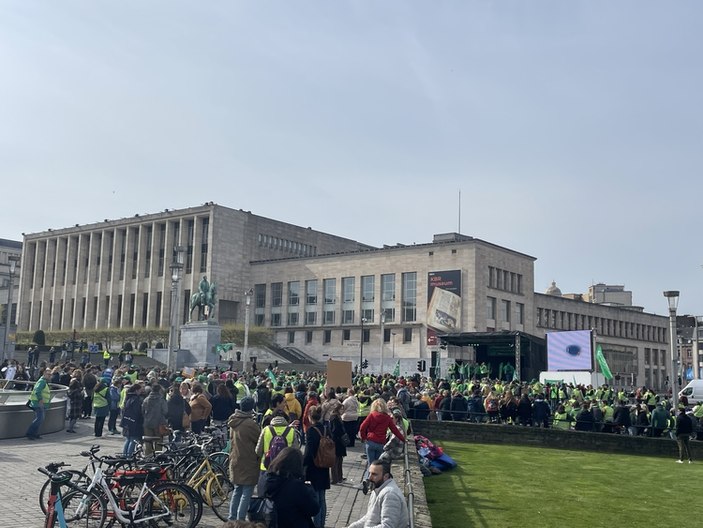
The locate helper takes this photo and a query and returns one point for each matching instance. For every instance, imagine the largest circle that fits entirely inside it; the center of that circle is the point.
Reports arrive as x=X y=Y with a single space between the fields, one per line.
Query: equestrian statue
x=205 y=300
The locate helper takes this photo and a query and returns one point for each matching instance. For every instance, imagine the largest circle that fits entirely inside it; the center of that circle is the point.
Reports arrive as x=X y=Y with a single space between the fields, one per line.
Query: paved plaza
x=21 y=482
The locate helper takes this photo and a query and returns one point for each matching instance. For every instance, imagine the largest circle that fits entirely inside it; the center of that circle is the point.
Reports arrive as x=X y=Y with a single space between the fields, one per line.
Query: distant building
x=325 y=295
x=8 y=248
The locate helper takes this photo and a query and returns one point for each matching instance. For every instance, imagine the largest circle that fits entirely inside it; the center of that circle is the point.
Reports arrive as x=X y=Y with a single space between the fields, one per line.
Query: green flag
x=272 y=377
x=602 y=363
x=396 y=370
x=223 y=347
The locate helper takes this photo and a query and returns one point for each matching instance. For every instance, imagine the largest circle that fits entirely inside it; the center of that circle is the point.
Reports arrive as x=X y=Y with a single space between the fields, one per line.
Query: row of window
x=288 y=246
x=506 y=314
x=354 y=301
x=91 y=247
x=365 y=335
x=561 y=320
x=655 y=357
x=501 y=279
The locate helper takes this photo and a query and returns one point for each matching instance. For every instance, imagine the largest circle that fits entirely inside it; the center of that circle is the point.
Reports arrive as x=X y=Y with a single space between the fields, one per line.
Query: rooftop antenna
x=459 y=231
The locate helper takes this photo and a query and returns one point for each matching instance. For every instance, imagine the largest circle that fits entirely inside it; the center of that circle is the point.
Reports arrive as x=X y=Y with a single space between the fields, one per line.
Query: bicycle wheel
x=84 y=509
x=197 y=501
x=79 y=478
x=172 y=505
x=219 y=493
x=220 y=462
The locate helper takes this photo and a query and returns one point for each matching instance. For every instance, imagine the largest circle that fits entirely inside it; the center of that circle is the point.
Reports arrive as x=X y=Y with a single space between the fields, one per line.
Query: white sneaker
x=690 y=461
x=679 y=461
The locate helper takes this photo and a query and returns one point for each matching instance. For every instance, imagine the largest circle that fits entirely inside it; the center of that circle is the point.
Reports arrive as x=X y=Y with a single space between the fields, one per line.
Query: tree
x=39 y=338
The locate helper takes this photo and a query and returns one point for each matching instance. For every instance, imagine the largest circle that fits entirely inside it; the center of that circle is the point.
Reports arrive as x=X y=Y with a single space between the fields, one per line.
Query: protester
x=684 y=429
x=39 y=401
x=155 y=410
x=200 y=409
x=132 y=422
x=350 y=416
x=386 y=507
x=296 y=502
x=373 y=431
x=75 y=404
x=243 y=459
x=318 y=477
x=101 y=406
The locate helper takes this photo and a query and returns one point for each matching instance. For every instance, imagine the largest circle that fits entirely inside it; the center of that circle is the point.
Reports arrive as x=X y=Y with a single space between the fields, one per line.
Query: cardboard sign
x=339 y=373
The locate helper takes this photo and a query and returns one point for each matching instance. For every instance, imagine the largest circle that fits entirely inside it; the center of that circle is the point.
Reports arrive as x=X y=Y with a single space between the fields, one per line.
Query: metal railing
x=410 y=494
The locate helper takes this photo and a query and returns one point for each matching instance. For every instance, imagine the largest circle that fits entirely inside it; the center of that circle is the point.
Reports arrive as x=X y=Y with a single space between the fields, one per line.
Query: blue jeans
x=319 y=519
x=239 y=504
x=130 y=445
x=373 y=451
x=36 y=424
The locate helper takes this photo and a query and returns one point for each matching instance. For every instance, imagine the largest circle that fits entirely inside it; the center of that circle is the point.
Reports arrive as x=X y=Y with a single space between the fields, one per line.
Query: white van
x=693 y=391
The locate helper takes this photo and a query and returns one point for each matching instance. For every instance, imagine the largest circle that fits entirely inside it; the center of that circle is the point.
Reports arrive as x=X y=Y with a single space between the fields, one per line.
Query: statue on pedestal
x=205 y=300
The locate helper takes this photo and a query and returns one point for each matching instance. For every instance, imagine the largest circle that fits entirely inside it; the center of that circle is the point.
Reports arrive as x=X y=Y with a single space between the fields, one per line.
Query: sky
x=573 y=130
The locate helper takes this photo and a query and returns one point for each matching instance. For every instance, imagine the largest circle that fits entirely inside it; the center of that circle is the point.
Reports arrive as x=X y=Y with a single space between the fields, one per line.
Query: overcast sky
x=573 y=129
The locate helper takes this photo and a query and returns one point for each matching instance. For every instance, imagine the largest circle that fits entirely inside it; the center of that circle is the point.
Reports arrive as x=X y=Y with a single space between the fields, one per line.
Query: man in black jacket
x=684 y=428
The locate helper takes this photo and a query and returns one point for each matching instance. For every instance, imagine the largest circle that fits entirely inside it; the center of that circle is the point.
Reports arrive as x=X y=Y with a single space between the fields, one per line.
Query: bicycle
x=157 y=502
x=78 y=507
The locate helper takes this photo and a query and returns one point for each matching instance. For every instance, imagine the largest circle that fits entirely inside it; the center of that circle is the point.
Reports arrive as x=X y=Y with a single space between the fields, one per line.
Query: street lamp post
x=697 y=350
x=247 y=302
x=175 y=267
x=13 y=260
x=361 y=348
x=383 y=336
x=393 y=338
x=673 y=298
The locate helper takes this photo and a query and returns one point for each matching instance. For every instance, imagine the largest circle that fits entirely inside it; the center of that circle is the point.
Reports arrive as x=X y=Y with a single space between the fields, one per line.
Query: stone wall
x=554 y=438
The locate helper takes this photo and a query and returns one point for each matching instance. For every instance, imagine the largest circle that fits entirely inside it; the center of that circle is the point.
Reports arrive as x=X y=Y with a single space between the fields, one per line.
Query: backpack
x=278 y=444
x=326 y=454
x=492 y=405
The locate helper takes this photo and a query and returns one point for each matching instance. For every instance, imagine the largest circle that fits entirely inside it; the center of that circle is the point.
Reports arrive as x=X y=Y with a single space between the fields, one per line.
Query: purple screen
x=569 y=350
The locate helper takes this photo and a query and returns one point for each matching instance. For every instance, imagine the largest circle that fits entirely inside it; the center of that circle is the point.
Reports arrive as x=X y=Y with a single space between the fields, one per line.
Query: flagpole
x=593 y=353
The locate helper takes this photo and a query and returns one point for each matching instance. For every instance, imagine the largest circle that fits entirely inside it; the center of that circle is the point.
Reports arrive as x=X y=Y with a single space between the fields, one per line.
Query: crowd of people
x=280 y=424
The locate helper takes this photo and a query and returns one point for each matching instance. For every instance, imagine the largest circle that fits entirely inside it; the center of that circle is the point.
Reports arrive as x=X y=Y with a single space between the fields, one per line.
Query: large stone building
x=8 y=249
x=327 y=296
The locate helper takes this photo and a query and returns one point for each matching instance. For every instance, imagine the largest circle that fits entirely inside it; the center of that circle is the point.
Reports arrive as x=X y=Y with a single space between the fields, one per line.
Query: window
x=310 y=318
x=348 y=284
x=311 y=292
x=329 y=317
x=506 y=311
x=390 y=314
x=327 y=338
x=293 y=319
x=409 y=294
x=386 y=335
x=388 y=287
x=347 y=316
x=190 y=235
x=293 y=293
x=368 y=314
x=147 y=257
x=276 y=293
x=367 y=288
x=329 y=286
x=366 y=335
x=346 y=334
x=491 y=306
x=291 y=337
x=407 y=335
x=520 y=308
x=259 y=295
x=204 y=244
x=275 y=319
x=308 y=337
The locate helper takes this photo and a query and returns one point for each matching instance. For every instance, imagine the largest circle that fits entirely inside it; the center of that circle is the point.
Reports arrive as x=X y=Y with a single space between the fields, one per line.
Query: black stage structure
x=525 y=352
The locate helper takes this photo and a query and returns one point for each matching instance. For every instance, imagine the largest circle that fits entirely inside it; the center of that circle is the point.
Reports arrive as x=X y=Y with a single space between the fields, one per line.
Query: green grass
x=514 y=486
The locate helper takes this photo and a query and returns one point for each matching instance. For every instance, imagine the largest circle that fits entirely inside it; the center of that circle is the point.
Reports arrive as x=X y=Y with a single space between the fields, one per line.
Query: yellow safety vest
x=99 y=398
x=268 y=436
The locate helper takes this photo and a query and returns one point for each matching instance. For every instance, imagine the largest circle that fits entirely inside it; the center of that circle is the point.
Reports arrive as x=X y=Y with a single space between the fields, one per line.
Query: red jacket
x=375 y=425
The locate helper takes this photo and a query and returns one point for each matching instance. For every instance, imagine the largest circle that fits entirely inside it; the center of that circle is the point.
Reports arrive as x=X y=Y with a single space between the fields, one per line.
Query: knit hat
x=246 y=404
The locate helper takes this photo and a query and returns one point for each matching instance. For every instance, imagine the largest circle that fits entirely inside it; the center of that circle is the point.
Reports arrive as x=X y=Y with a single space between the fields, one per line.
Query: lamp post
x=383 y=336
x=175 y=267
x=673 y=298
x=697 y=350
x=361 y=348
x=247 y=302
x=393 y=338
x=13 y=260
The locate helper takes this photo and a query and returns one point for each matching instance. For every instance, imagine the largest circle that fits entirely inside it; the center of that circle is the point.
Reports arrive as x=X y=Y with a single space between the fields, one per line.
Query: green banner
x=602 y=363
x=396 y=370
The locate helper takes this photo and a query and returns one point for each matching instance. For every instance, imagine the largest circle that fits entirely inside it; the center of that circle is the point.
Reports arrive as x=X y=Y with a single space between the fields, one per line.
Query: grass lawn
x=514 y=486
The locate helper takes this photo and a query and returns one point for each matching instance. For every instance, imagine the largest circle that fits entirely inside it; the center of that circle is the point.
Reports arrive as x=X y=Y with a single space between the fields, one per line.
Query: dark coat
x=621 y=416
x=337 y=433
x=177 y=406
x=295 y=501
x=584 y=420
x=524 y=409
x=75 y=397
x=444 y=407
x=684 y=424
x=319 y=478
x=459 y=407
x=132 y=422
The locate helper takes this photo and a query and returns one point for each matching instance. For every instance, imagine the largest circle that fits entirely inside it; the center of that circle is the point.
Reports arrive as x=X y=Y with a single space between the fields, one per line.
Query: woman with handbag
x=319 y=477
x=178 y=410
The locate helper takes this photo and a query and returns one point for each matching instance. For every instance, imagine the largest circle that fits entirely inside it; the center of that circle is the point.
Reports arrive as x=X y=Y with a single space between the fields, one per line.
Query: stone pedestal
x=200 y=338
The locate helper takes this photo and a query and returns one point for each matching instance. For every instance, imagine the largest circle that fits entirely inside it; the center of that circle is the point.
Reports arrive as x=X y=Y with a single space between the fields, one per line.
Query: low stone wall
x=554 y=438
